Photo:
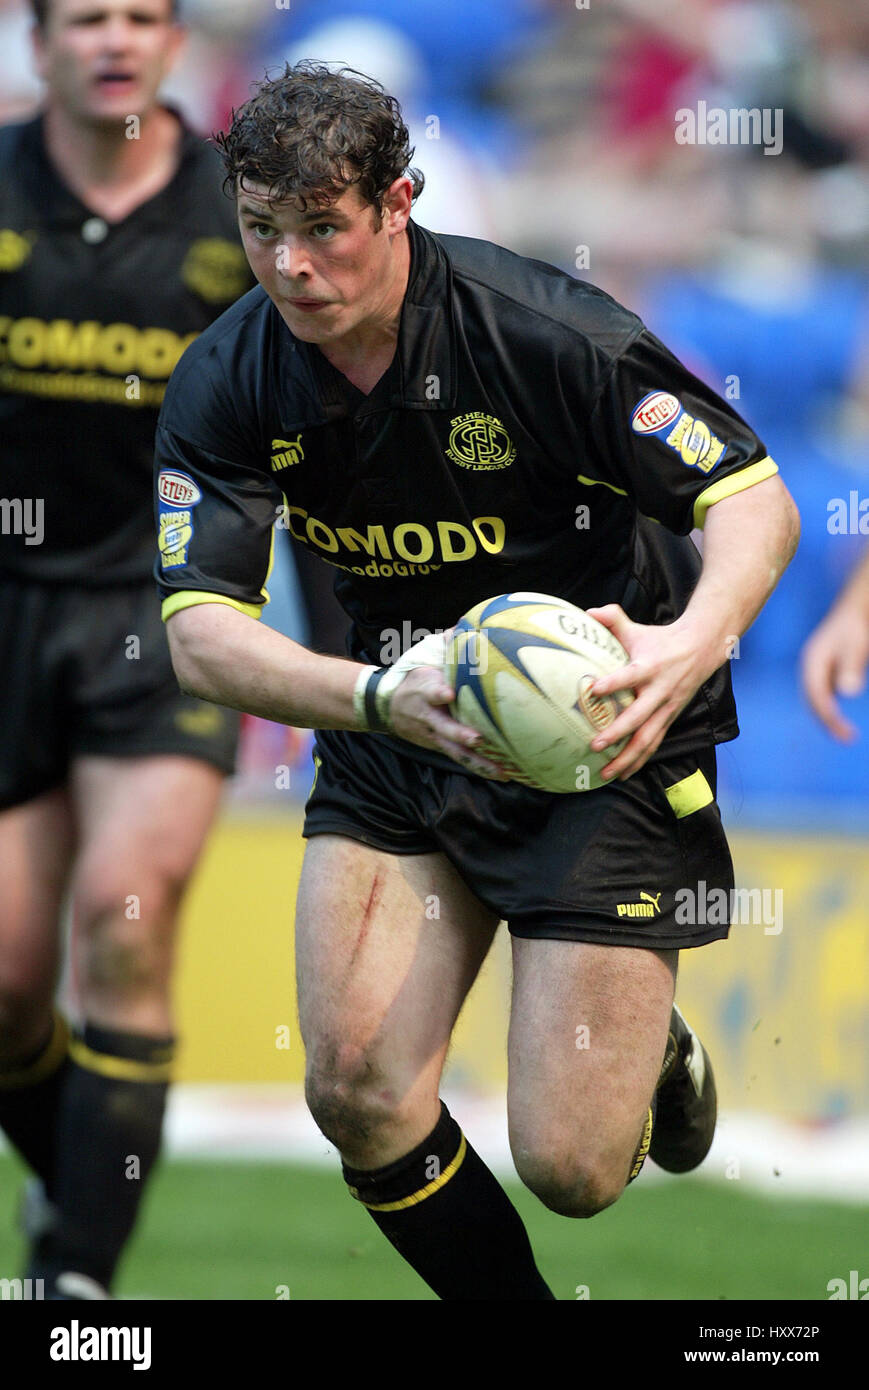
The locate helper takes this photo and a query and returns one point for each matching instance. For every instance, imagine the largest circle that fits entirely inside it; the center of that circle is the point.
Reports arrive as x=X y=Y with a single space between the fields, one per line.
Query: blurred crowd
x=569 y=108
x=550 y=126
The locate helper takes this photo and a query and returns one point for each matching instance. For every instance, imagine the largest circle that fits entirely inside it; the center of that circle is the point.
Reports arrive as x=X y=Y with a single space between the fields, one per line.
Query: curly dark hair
x=311 y=132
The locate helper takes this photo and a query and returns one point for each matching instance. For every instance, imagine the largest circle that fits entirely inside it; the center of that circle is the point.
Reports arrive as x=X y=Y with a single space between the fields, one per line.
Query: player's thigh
x=588 y=1030
x=141 y=823
x=36 y=846
x=387 y=947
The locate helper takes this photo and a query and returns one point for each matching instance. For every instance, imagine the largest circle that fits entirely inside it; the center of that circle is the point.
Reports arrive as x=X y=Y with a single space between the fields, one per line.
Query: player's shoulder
x=539 y=295
x=222 y=383
x=230 y=341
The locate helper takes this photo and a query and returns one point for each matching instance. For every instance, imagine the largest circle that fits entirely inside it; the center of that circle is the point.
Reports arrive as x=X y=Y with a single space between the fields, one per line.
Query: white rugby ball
x=522 y=666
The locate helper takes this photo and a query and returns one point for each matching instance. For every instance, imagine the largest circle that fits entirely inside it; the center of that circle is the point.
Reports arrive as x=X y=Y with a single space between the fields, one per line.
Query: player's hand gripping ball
x=522 y=666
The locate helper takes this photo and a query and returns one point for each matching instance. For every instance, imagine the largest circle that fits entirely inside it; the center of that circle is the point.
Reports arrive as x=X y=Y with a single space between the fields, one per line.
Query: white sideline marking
x=271 y=1122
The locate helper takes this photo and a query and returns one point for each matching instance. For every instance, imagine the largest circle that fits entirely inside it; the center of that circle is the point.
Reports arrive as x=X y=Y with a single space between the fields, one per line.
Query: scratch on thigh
x=375 y=897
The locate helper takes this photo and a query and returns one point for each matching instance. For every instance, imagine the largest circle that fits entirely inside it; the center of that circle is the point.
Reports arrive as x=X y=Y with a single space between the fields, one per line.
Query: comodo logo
x=655 y=412
x=177 y=489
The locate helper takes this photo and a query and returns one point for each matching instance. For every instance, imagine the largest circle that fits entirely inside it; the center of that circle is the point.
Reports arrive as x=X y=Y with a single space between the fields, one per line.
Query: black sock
x=29 y=1099
x=445 y=1213
x=109 y=1125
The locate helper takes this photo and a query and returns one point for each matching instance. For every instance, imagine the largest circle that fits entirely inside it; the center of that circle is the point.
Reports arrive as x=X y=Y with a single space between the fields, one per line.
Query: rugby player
x=117 y=246
x=835 y=657
x=453 y=409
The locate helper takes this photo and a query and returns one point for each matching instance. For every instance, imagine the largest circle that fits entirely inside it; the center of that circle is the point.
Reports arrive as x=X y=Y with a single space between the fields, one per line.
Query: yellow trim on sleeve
x=188 y=598
x=118 y=1068
x=427 y=1191
x=689 y=795
x=728 y=487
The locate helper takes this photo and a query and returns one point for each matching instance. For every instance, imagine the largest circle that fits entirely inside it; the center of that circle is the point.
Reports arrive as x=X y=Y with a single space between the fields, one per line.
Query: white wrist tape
x=364 y=702
x=376 y=685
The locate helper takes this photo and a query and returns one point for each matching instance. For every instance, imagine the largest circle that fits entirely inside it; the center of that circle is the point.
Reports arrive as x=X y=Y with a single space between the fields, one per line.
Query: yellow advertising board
x=783 y=1005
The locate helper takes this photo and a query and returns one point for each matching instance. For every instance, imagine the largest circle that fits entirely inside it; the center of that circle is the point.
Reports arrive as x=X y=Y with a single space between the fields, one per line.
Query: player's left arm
x=749 y=539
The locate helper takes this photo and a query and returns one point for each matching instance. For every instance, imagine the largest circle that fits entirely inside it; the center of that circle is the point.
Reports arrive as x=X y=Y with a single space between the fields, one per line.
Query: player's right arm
x=226 y=656
x=834 y=660
x=215 y=508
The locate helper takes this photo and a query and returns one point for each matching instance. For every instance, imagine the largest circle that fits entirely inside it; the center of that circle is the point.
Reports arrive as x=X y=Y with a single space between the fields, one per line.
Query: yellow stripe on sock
x=423 y=1192
x=46 y=1063
x=645 y=1144
x=689 y=795
x=118 y=1068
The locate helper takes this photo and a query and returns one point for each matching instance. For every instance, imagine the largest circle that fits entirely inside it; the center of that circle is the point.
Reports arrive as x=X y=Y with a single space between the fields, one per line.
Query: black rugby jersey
x=529 y=434
x=93 y=317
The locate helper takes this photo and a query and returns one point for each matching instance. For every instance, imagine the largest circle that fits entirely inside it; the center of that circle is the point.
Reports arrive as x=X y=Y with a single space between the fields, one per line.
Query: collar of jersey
x=59 y=206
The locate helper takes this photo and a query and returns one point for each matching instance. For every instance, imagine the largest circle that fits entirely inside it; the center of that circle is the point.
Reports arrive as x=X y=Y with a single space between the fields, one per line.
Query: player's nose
x=292 y=261
x=117 y=34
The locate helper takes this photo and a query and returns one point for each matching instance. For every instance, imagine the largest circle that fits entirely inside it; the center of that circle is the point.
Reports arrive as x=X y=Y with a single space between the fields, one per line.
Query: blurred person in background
x=118 y=247
x=836 y=655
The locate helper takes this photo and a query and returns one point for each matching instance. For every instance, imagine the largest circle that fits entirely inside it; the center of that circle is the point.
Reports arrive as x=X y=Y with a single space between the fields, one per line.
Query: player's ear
x=397 y=202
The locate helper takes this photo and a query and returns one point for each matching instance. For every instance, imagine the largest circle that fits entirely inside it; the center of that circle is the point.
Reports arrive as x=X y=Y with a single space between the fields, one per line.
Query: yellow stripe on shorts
x=689 y=795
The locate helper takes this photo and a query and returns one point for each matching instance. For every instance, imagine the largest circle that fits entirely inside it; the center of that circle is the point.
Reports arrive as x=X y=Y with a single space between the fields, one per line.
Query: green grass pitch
x=241 y=1230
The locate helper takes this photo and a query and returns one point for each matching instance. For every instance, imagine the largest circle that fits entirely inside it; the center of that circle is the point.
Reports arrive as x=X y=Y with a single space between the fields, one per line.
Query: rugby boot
x=686 y=1107
x=38 y=1218
x=70 y=1287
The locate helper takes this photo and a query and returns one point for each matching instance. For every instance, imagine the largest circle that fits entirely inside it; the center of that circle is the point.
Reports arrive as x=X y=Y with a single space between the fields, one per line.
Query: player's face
x=330 y=271
x=104 y=60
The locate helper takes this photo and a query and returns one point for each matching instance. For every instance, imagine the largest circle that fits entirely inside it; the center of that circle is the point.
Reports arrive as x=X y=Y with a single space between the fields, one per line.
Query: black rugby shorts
x=87 y=671
x=612 y=866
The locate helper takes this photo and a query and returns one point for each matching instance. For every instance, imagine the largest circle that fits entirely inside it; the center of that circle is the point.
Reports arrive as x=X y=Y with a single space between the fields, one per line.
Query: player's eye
x=261 y=230
x=326 y=227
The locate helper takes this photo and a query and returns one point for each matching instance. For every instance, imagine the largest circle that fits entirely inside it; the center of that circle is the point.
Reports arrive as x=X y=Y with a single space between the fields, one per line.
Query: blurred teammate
x=431 y=414
x=836 y=655
x=117 y=246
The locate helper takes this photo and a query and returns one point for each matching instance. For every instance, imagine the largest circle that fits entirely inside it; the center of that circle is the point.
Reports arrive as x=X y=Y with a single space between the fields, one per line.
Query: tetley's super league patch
x=661 y=414
x=178 y=495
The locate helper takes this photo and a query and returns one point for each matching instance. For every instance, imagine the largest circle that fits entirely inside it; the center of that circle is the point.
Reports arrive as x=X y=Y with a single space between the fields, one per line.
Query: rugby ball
x=522 y=666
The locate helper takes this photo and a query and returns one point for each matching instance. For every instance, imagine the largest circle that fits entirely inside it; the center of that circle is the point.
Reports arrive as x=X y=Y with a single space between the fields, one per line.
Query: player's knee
x=25 y=1015
x=123 y=944
x=119 y=963
x=568 y=1186
x=108 y=894
x=125 y=926
x=349 y=1097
